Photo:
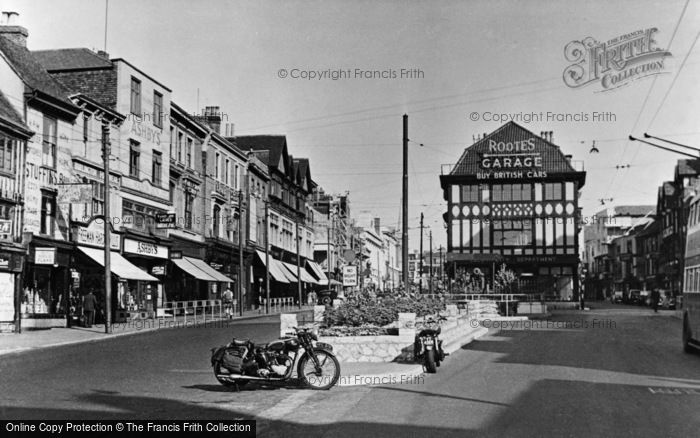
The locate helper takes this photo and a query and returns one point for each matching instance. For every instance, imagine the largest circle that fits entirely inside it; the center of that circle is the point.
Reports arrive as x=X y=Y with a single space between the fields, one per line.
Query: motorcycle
x=428 y=349
x=241 y=361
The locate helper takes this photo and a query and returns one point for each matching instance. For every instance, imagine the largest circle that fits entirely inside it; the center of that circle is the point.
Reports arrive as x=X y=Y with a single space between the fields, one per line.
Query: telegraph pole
x=430 y=285
x=267 y=258
x=298 y=265
x=107 y=230
x=420 y=272
x=404 y=209
x=240 y=252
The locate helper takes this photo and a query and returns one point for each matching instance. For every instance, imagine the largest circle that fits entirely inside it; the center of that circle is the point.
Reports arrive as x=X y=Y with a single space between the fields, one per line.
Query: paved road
x=624 y=374
x=616 y=371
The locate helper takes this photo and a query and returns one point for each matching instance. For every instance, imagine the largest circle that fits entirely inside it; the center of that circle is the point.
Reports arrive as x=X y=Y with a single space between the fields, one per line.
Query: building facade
x=512 y=198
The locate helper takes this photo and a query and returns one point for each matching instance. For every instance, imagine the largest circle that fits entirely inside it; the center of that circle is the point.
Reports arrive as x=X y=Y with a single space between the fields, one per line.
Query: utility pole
x=442 y=271
x=328 y=259
x=240 y=252
x=267 y=257
x=430 y=285
x=404 y=209
x=298 y=265
x=420 y=272
x=107 y=231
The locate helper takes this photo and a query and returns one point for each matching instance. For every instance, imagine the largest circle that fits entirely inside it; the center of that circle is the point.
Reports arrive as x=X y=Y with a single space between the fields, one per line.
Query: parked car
x=635 y=296
x=617 y=297
x=667 y=300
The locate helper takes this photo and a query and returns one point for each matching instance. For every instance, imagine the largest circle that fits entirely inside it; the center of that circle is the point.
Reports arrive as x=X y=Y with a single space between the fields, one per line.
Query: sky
x=255 y=59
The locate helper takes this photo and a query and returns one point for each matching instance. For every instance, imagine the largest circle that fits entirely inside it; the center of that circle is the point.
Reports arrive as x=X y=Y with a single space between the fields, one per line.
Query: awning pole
x=108 y=239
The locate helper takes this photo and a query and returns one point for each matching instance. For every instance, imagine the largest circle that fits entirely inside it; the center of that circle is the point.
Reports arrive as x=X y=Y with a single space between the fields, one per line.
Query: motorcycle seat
x=240 y=342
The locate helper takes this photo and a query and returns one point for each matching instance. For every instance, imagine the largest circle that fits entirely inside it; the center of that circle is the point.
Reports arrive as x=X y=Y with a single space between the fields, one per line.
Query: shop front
x=282 y=282
x=45 y=296
x=142 y=297
x=88 y=273
x=223 y=257
x=11 y=265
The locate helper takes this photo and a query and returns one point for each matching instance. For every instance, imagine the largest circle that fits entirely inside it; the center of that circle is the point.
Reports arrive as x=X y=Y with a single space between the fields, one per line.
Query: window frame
x=135 y=96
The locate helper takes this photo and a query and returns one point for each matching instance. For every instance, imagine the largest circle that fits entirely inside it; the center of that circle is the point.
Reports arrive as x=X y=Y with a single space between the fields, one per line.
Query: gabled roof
x=553 y=160
x=276 y=145
x=71 y=59
x=32 y=73
x=11 y=119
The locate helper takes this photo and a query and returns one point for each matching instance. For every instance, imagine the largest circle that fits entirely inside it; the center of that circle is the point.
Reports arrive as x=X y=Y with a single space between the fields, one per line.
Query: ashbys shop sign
x=513 y=159
x=145 y=249
x=613 y=63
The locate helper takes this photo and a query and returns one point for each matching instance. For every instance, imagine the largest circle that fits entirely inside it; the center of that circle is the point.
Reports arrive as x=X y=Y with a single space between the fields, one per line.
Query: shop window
x=157 y=168
x=157 y=109
x=134 y=158
x=98 y=198
x=7 y=148
x=497 y=192
x=48 y=214
x=172 y=191
x=135 y=96
x=48 y=150
x=538 y=191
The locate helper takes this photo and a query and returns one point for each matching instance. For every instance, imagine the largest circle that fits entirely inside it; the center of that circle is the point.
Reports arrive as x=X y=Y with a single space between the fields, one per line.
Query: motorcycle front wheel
x=430 y=362
x=330 y=370
x=228 y=383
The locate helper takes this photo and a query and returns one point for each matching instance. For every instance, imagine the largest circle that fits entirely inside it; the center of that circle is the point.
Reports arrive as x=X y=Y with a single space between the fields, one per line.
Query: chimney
x=551 y=136
x=103 y=54
x=377 y=226
x=14 y=33
x=212 y=117
x=568 y=157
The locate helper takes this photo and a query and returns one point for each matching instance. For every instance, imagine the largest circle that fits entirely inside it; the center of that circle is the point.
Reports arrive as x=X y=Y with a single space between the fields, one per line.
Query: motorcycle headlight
x=314 y=334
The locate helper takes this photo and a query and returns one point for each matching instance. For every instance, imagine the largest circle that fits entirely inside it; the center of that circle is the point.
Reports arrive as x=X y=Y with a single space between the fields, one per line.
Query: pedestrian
x=89 y=305
x=655 y=297
x=582 y=299
x=228 y=302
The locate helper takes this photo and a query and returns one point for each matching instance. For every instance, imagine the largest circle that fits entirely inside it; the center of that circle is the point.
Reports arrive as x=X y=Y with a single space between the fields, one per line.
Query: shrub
x=363 y=309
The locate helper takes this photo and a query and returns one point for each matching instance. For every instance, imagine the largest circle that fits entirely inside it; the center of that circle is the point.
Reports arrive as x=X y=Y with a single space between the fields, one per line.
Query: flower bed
x=364 y=310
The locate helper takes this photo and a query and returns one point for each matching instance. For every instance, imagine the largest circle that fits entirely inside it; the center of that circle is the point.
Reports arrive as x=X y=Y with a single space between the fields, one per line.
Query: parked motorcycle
x=241 y=361
x=428 y=349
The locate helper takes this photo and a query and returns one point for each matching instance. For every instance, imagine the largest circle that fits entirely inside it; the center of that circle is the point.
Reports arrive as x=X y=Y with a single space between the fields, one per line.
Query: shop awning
x=276 y=269
x=204 y=267
x=305 y=276
x=186 y=265
x=322 y=279
x=119 y=266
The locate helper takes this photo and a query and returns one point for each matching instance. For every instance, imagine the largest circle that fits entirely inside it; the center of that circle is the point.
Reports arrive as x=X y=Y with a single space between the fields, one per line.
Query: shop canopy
x=200 y=270
x=277 y=271
x=322 y=279
x=305 y=277
x=119 y=266
x=204 y=267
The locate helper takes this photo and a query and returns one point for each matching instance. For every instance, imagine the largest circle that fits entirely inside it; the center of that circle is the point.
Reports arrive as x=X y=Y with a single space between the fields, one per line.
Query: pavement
x=54 y=337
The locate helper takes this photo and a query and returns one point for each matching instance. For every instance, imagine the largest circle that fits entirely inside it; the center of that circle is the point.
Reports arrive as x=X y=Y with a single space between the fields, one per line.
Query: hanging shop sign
x=158 y=270
x=165 y=220
x=145 y=249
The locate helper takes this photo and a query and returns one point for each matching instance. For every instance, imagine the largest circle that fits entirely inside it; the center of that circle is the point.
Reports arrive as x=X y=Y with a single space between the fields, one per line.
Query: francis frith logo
x=614 y=63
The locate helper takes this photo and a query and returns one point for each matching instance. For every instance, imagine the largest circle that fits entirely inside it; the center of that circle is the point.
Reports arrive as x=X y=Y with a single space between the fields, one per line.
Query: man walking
x=655 y=297
x=228 y=302
x=89 y=304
